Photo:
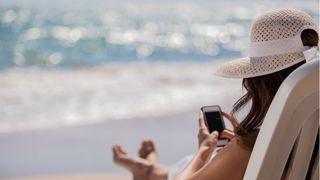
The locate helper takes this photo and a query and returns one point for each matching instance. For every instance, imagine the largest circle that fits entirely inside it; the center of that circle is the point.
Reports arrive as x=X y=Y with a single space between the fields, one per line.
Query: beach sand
x=84 y=152
x=76 y=177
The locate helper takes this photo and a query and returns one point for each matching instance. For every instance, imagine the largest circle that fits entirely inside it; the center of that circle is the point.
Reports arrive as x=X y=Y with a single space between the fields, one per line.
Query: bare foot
x=139 y=167
x=148 y=151
x=143 y=167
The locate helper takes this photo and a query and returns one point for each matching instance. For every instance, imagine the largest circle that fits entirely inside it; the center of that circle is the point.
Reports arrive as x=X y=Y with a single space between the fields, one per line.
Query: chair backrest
x=291 y=121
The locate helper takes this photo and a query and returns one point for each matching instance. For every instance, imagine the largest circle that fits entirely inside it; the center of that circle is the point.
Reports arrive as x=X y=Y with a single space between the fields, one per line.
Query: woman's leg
x=143 y=167
x=140 y=168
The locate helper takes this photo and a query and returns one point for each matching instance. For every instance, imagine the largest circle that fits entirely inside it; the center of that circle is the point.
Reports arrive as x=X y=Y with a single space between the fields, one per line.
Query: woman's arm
x=229 y=163
x=207 y=143
x=198 y=161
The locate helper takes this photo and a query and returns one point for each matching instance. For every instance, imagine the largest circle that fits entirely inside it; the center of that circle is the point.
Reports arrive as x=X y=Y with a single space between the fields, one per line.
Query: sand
x=76 y=177
x=85 y=151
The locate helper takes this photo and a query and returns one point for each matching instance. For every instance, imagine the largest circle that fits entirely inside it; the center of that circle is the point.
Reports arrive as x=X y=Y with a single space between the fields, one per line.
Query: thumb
x=215 y=133
x=214 y=139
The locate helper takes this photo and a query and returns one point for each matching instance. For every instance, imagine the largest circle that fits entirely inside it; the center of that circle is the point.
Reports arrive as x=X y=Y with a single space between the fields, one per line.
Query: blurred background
x=77 y=76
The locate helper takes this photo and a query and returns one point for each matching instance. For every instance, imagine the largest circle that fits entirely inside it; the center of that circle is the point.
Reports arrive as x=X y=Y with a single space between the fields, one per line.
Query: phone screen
x=214 y=121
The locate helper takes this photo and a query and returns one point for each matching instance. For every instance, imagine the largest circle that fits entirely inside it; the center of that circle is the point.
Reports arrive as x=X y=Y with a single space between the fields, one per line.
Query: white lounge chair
x=291 y=123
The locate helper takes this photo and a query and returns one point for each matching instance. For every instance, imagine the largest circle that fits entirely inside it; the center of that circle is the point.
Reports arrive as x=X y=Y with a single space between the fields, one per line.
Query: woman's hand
x=201 y=167
x=207 y=141
x=227 y=133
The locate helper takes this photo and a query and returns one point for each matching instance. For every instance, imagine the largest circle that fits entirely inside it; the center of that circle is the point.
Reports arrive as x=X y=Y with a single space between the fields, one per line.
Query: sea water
x=78 y=62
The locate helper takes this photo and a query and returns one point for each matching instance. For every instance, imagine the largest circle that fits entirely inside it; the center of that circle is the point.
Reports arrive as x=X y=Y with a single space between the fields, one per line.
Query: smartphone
x=214 y=121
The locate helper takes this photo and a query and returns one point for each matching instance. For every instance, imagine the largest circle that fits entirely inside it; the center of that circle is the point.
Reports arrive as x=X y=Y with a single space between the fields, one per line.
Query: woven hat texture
x=274 y=25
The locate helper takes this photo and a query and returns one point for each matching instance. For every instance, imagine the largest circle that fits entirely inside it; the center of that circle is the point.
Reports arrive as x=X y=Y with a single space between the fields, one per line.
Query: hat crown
x=279 y=24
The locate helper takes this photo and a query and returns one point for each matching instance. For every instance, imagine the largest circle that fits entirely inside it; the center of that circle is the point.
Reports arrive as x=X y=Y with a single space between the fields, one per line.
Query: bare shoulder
x=229 y=163
x=234 y=151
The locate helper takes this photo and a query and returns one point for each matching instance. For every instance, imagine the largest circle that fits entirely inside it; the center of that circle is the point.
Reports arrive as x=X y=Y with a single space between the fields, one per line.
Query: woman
x=278 y=41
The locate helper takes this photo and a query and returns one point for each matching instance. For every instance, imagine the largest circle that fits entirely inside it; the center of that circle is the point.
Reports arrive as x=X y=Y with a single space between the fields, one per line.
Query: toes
x=151 y=146
x=121 y=150
x=147 y=148
x=143 y=151
x=117 y=151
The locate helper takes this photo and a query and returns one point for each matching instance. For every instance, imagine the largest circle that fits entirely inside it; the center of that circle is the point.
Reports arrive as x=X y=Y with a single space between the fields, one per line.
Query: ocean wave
x=33 y=98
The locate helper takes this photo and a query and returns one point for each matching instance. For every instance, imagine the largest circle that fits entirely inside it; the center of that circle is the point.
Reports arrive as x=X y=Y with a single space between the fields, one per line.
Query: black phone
x=213 y=118
x=214 y=121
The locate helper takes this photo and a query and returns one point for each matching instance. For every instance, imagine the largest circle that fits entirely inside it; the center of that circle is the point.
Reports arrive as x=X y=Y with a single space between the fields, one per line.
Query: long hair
x=261 y=91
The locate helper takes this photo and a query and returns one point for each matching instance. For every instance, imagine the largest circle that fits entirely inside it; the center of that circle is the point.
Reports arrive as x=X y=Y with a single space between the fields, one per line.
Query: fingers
x=203 y=130
x=201 y=121
x=232 y=119
x=227 y=134
x=214 y=135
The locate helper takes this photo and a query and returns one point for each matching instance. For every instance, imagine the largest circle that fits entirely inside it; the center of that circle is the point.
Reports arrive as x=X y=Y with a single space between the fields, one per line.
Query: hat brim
x=248 y=67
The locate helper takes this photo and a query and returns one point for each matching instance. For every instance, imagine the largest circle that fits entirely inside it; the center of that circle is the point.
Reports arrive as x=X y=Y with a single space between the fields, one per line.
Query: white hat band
x=278 y=46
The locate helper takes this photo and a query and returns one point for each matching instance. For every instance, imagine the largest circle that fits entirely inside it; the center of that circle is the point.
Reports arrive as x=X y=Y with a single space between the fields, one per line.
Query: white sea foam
x=32 y=98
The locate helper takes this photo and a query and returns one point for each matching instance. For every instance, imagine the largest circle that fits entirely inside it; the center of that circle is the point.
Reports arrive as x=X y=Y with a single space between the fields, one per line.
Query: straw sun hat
x=275 y=45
